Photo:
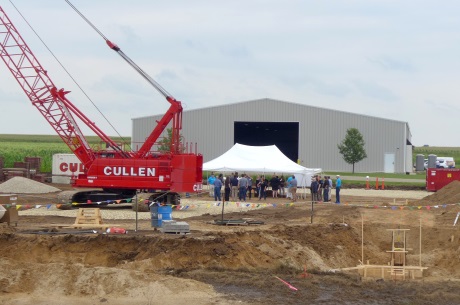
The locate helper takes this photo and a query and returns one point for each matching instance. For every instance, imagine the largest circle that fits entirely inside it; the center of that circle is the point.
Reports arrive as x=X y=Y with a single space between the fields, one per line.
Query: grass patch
x=13 y=138
x=14 y=148
x=453 y=152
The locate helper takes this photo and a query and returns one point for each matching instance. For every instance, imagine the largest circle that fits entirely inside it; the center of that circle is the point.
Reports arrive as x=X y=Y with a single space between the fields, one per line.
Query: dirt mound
x=241 y=263
x=21 y=185
x=447 y=195
x=6 y=229
x=43 y=262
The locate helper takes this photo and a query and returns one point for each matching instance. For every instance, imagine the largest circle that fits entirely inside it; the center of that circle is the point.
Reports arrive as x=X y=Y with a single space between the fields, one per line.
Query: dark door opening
x=285 y=135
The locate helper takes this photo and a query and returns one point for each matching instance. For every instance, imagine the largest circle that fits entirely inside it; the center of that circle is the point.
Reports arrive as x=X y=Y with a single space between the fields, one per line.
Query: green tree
x=164 y=143
x=352 y=147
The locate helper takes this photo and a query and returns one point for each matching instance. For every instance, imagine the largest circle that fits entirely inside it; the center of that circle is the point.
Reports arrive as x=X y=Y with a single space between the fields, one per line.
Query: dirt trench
x=229 y=265
x=236 y=264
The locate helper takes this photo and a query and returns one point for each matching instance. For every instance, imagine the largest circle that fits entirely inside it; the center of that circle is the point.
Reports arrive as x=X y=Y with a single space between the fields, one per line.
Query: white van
x=445 y=162
x=442 y=162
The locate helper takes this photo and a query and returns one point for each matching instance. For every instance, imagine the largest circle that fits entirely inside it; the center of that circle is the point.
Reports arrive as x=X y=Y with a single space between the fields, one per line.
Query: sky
x=397 y=60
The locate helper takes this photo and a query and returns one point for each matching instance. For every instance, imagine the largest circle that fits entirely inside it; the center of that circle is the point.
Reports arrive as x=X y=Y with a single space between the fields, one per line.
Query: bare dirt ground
x=43 y=264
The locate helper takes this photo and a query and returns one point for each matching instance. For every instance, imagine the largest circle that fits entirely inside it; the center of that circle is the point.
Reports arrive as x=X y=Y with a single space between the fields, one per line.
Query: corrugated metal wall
x=320 y=131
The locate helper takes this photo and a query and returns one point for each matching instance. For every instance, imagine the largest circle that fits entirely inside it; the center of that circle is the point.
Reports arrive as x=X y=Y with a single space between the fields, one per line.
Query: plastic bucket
x=160 y=213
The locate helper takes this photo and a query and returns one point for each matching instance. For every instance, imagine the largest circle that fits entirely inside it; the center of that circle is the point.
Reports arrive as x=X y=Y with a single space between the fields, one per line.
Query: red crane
x=116 y=171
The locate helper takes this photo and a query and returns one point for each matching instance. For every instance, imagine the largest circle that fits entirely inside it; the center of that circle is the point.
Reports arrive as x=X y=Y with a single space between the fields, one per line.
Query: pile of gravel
x=21 y=185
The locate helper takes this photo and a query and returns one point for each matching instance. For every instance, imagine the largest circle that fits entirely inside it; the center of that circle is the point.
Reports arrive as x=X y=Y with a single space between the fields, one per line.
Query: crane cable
x=114 y=47
x=86 y=19
x=68 y=73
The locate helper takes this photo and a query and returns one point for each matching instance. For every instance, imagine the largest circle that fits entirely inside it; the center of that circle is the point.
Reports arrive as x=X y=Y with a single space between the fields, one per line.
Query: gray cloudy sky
x=391 y=59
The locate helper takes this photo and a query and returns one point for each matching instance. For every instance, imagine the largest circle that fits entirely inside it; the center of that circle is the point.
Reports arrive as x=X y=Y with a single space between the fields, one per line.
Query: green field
x=14 y=148
x=453 y=152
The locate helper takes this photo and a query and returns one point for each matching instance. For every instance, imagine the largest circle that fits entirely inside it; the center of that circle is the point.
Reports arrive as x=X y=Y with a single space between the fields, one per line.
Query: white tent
x=260 y=159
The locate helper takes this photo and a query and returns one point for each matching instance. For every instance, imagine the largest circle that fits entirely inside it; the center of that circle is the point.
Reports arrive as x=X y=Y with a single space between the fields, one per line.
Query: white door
x=389 y=163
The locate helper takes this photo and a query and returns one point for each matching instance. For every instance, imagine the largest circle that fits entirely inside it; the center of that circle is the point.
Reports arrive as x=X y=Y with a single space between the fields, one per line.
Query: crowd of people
x=242 y=187
x=321 y=189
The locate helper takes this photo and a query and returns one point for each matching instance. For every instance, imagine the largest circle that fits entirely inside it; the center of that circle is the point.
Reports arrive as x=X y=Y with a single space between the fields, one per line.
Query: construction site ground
x=292 y=258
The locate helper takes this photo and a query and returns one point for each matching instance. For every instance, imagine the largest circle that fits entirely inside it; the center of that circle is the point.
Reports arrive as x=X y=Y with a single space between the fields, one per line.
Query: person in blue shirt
x=217 y=188
x=211 y=180
x=314 y=189
x=338 y=185
x=243 y=187
x=288 y=185
x=293 y=184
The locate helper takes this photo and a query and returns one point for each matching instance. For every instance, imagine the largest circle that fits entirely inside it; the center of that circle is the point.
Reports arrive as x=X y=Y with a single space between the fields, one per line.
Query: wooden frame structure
x=89 y=218
x=396 y=268
x=398 y=252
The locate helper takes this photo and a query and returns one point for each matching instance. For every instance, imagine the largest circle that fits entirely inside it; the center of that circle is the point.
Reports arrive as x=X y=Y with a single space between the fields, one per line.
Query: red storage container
x=437 y=178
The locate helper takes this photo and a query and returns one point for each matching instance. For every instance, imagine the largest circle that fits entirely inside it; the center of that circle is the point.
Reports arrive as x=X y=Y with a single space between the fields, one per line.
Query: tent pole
x=304 y=193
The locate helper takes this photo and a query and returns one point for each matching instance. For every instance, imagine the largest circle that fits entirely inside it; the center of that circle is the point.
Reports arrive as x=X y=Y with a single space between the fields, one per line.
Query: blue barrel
x=160 y=213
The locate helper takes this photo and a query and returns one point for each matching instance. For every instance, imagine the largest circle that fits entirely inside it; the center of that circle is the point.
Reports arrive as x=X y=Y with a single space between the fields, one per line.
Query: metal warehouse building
x=306 y=134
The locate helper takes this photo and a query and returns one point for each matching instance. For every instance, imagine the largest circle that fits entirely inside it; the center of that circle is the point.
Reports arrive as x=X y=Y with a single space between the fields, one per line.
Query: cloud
x=340 y=55
x=376 y=91
x=334 y=89
x=442 y=107
x=393 y=64
x=237 y=52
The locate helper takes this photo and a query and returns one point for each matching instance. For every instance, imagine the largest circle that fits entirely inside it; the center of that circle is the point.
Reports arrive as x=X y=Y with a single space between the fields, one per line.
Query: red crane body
x=111 y=168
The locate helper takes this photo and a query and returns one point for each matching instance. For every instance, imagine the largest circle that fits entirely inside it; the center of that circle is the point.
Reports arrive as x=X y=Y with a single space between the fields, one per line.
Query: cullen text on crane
x=129 y=171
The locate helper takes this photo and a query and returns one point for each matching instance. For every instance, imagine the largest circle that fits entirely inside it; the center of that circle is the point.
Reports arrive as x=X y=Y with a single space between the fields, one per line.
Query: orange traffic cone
x=383 y=183
x=377 y=183
x=367 y=183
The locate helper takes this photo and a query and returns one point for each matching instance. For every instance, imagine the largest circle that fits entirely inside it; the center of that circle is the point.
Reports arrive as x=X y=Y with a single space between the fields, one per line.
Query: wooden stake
x=137 y=210
x=311 y=217
x=362 y=238
x=420 y=258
